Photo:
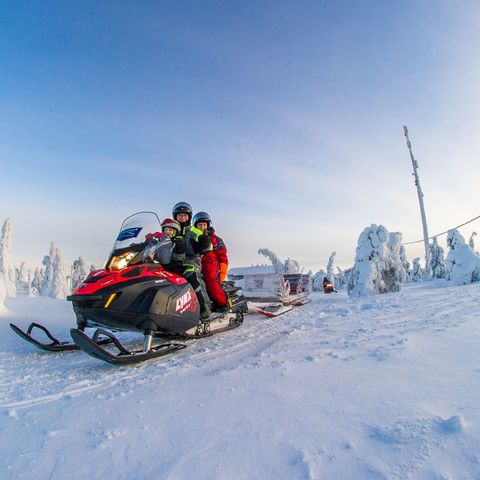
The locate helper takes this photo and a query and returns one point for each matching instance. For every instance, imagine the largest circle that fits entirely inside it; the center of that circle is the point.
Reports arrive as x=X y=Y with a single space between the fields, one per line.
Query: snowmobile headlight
x=122 y=261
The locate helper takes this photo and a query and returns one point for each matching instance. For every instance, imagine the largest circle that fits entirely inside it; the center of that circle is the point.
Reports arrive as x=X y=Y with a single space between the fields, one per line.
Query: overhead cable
x=443 y=233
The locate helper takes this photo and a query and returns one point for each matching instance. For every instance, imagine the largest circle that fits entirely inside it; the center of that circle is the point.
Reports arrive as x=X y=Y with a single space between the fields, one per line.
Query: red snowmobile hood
x=100 y=279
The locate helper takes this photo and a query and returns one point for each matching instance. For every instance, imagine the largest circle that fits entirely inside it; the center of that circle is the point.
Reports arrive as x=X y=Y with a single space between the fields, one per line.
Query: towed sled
x=135 y=294
x=272 y=294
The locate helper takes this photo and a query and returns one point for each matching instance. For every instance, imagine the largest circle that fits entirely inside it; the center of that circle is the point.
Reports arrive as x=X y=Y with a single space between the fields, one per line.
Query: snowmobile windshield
x=129 y=246
x=135 y=227
x=163 y=251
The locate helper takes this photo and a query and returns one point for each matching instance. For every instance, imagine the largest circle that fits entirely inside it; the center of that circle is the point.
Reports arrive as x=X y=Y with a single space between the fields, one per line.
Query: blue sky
x=282 y=119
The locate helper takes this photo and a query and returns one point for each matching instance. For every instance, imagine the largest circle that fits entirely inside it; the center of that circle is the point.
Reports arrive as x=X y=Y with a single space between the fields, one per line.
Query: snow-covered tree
x=462 y=264
x=7 y=271
x=22 y=283
x=397 y=252
x=330 y=274
x=417 y=272
x=79 y=272
x=437 y=260
x=59 y=284
x=405 y=262
x=276 y=262
x=289 y=266
x=454 y=239
x=376 y=270
x=36 y=284
x=341 y=278
x=317 y=281
x=3 y=292
x=471 y=242
x=46 y=286
x=53 y=282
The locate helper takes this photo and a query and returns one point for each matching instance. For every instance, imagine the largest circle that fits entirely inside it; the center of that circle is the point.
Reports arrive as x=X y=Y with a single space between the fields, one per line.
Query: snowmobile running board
x=124 y=357
x=92 y=346
x=55 y=346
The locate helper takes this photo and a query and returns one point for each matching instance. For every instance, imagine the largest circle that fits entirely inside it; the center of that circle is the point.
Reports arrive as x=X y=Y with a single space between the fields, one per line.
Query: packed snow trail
x=377 y=387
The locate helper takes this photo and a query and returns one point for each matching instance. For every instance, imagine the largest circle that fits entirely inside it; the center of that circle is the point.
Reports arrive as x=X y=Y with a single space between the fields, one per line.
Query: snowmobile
x=328 y=287
x=134 y=293
x=272 y=294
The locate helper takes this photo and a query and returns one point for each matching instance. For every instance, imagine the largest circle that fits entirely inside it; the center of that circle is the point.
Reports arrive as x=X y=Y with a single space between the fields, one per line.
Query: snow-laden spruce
x=341 y=278
x=462 y=264
x=54 y=282
x=471 y=242
x=416 y=274
x=79 y=272
x=437 y=260
x=317 y=281
x=377 y=268
x=330 y=274
x=36 y=285
x=288 y=266
x=397 y=252
x=405 y=262
x=7 y=272
x=22 y=279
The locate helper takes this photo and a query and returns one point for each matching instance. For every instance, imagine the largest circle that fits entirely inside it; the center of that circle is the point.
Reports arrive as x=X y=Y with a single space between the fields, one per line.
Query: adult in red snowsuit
x=214 y=262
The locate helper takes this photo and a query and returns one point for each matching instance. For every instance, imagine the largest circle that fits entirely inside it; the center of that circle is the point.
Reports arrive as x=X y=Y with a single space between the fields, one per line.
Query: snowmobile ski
x=124 y=356
x=55 y=346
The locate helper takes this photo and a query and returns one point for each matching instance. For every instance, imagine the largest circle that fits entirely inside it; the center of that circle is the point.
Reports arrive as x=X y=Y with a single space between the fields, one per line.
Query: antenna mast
x=420 y=201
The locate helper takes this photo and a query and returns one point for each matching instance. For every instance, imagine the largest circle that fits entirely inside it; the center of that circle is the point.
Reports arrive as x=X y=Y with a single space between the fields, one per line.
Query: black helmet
x=182 y=207
x=202 y=217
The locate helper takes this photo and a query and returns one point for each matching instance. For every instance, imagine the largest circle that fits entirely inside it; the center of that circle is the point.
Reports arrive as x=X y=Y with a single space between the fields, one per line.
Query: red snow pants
x=210 y=275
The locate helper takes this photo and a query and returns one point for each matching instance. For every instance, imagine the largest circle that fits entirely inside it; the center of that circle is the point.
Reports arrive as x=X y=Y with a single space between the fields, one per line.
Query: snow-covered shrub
x=437 y=260
x=7 y=271
x=417 y=273
x=462 y=264
x=376 y=270
x=79 y=272
x=289 y=266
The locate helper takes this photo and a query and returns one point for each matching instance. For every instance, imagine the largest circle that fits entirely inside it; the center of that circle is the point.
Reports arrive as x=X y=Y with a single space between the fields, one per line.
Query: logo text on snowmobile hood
x=128 y=233
x=183 y=302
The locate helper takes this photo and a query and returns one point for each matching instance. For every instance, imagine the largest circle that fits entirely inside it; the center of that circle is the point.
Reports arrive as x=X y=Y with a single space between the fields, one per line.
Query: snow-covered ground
x=385 y=387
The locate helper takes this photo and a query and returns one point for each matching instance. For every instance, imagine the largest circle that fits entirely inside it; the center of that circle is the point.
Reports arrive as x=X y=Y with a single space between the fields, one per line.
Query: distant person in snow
x=214 y=262
x=197 y=243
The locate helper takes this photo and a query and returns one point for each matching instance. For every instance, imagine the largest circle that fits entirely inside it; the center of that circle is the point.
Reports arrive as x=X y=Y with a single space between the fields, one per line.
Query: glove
x=223 y=272
x=152 y=236
x=205 y=242
x=179 y=245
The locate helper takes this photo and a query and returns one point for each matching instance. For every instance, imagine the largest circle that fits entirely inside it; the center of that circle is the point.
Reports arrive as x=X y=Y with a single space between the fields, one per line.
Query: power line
x=443 y=233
